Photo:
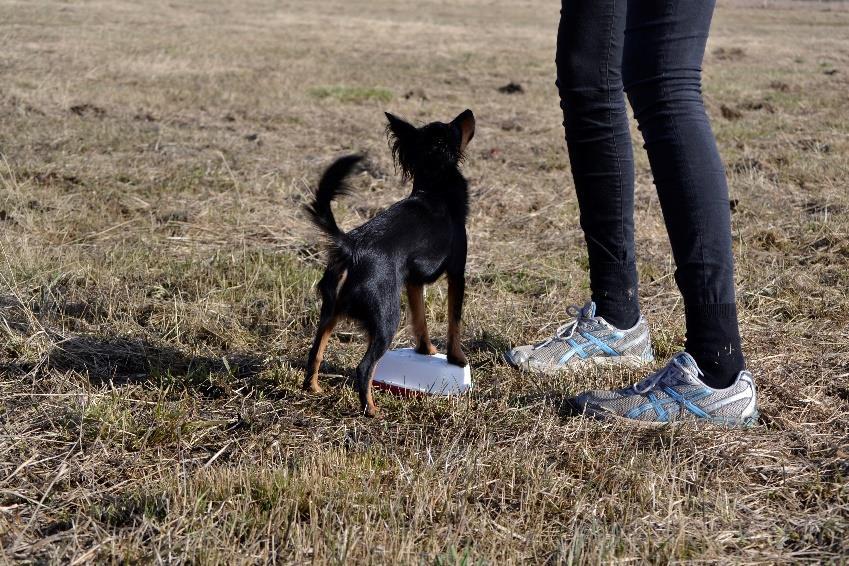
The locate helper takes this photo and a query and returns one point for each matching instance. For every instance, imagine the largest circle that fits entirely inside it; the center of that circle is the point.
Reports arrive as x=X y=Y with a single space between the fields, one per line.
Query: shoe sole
x=613 y=417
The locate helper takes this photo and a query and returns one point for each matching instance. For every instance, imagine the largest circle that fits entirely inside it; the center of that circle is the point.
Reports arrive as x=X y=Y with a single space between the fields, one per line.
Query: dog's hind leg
x=317 y=355
x=415 y=296
x=325 y=327
x=456 y=291
x=380 y=340
x=327 y=320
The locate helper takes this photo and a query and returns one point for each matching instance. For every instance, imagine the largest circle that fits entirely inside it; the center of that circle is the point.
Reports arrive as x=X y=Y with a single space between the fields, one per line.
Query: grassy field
x=157 y=273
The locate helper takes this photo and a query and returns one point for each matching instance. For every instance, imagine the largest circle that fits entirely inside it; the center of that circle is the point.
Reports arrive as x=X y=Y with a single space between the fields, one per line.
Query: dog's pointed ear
x=402 y=138
x=398 y=128
x=465 y=122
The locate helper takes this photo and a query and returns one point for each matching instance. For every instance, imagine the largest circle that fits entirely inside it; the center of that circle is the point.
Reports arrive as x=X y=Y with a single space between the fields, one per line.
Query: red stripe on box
x=397 y=390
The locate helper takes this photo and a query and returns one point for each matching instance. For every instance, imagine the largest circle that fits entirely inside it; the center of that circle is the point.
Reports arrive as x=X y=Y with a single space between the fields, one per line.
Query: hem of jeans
x=711 y=310
x=615 y=282
x=613 y=266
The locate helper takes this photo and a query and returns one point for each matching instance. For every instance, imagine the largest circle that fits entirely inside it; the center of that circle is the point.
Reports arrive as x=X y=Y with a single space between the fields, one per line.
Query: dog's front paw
x=426 y=349
x=458 y=359
x=312 y=386
x=371 y=411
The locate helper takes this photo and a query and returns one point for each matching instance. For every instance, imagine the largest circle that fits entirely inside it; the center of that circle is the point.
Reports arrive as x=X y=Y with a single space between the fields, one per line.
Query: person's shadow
x=494 y=344
x=560 y=401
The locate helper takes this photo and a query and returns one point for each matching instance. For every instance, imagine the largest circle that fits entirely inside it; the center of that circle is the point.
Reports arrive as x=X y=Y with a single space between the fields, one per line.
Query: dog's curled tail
x=332 y=184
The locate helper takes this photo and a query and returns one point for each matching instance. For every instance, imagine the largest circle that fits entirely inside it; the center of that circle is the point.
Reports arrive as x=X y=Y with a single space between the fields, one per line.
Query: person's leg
x=589 y=59
x=664 y=46
x=590 y=41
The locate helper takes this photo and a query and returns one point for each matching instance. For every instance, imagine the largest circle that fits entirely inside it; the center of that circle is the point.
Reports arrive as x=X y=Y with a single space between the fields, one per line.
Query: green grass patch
x=351 y=94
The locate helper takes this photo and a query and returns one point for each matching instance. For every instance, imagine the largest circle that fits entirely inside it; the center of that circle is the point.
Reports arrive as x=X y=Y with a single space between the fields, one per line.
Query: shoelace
x=674 y=369
x=567 y=330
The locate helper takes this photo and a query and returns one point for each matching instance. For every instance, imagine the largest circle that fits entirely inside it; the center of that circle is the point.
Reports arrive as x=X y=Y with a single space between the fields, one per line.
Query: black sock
x=713 y=339
x=620 y=314
x=615 y=293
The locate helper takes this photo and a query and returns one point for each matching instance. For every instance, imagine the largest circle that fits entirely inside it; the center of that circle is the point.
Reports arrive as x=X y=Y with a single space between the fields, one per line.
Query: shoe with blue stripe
x=586 y=339
x=675 y=394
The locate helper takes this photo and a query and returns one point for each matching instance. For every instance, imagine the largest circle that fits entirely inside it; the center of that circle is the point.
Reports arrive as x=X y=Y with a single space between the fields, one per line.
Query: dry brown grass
x=156 y=298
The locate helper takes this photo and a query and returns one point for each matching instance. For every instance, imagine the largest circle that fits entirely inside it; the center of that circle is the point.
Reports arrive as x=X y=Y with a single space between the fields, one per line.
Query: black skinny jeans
x=652 y=50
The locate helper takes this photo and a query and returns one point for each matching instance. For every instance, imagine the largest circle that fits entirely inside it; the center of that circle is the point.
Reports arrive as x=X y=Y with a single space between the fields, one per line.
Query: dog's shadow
x=488 y=343
x=329 y=374
x=122 y=361
x=126 y=361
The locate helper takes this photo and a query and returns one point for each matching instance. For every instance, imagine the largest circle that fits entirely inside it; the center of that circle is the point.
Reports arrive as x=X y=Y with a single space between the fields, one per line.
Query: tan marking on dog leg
x=371 y=409
x=418 y=322
x=455 y=301
x=321 y=339
x=367 y=406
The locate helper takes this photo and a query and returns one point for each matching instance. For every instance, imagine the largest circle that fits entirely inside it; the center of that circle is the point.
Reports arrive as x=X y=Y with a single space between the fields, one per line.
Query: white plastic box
x=406 y=372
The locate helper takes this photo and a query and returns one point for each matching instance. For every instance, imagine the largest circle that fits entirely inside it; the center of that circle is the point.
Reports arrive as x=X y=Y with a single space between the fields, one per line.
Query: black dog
x=411 y=243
